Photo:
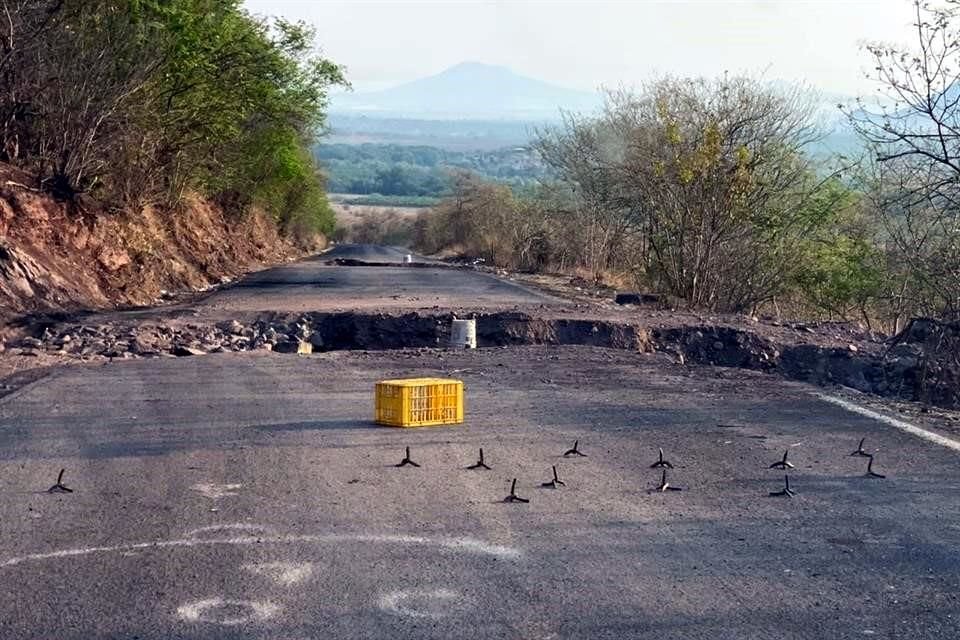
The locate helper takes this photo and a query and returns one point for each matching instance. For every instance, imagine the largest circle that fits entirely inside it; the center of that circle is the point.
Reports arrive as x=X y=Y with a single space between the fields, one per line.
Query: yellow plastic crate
x=419 y=402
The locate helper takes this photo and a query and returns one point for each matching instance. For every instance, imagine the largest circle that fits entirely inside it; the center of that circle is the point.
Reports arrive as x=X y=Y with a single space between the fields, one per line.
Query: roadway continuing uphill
x=320 y=284
x=370 y=253
x=247 y=495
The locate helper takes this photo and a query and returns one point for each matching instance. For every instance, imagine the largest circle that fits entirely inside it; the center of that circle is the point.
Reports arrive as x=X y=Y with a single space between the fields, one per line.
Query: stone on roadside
x=231 y=327
x=182 y=351
x=287 y=346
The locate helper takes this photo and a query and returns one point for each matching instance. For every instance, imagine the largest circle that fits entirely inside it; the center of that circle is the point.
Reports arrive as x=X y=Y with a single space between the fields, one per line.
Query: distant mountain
x=469 y=90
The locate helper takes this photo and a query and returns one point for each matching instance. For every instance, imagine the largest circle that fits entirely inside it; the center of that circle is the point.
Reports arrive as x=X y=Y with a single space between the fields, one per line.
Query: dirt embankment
x=60 y=256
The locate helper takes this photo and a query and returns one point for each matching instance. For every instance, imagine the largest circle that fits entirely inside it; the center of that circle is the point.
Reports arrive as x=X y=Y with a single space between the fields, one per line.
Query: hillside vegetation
x=421 y=171
x=149 y=145
x=136 y=102
x=455 y=135
x=712 y=192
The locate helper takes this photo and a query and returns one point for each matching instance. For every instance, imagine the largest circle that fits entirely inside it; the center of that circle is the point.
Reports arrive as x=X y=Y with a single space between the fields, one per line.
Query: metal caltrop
x=513 y=497
x=480 y=464
x=60 y=487
x=407 y=460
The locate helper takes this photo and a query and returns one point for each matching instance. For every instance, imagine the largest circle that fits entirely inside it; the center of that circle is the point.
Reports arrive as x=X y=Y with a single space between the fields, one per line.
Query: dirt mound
x=59 y=256
x=932 y=348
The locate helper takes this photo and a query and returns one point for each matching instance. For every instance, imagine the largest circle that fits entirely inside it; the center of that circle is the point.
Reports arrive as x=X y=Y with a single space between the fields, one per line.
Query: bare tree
x=913 y=130
x=706 y=181
x=67 y=71
x=585 y=154
x=25 y=27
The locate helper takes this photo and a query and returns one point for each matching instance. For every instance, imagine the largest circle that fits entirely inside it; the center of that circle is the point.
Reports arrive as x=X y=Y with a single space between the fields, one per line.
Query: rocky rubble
x=151 y=341
x=282 y=334
x=923 y=363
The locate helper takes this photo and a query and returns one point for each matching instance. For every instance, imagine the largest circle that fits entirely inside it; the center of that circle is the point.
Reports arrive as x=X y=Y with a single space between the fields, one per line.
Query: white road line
x=214 y=491
x=469 y=545
x=906 y=427
x=224 y=529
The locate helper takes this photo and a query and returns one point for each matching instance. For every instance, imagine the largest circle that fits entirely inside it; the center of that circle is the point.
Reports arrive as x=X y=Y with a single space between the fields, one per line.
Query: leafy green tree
x=840 y=268
x=140 y=100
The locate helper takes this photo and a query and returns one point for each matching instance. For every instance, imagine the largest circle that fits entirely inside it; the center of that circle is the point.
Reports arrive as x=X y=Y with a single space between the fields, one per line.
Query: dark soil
x=919 y=365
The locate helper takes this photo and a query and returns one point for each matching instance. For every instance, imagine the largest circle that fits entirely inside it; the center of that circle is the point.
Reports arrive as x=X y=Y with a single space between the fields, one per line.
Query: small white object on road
x=463 y=334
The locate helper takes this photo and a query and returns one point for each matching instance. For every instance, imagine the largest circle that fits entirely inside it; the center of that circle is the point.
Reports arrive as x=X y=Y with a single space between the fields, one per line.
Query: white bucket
x=407 y=259
x=463 y=334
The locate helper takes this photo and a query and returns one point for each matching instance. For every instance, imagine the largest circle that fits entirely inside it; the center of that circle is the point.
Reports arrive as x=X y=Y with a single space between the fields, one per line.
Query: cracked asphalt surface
x=249 y=496
x=316 y=284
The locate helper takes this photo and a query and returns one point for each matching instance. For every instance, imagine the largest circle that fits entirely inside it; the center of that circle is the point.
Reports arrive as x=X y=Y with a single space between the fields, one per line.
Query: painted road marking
x=906 y=427
x=227 y=612
x=214 y=491
x=235 y=527
x=413 y=603
x=468 y=545
x=283 y=573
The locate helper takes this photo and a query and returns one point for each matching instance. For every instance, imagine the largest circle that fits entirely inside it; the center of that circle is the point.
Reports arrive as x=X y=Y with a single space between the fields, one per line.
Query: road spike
x=556 y=482
x=407 y=460
x=60 y=487
x=664 y=485
x=786 y=492
x=480 y=463
x=870 y=472
x=661 y=463
x=860 y=452
x=575 y=451
x=513 y=497
x=782 y=464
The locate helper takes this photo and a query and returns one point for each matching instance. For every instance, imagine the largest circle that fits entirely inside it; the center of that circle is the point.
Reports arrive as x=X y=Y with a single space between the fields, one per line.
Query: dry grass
x=371 y=224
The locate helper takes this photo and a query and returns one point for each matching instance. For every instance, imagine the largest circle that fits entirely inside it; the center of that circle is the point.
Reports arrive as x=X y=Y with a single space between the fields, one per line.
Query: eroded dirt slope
x=62 y=256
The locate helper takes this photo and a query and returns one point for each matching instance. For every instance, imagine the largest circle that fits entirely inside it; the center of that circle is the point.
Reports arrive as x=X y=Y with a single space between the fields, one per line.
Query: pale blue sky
x=588 y=44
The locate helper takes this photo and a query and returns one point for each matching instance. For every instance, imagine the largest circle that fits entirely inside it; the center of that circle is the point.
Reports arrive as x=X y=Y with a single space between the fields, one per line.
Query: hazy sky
x=588 y=44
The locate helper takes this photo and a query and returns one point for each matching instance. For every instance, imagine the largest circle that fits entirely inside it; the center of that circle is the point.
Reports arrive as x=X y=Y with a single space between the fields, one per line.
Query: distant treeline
x=421 y=171
x=462 y=135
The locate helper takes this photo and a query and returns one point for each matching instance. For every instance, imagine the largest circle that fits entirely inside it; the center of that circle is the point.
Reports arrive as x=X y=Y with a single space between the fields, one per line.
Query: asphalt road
x=317 y=284
x=248 y=496
x=372 y=253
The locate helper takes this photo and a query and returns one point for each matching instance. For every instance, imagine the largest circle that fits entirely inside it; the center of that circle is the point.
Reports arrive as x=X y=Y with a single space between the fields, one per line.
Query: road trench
x=898 y=377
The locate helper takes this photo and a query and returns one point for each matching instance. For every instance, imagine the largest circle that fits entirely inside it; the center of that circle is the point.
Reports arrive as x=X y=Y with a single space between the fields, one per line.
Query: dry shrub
x=375 y=225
